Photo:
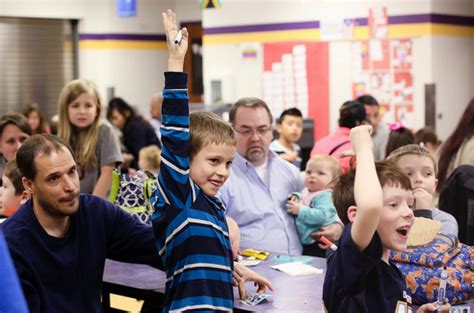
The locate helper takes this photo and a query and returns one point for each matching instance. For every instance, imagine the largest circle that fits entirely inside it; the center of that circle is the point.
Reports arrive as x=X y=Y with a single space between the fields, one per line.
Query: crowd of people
x=220 y=187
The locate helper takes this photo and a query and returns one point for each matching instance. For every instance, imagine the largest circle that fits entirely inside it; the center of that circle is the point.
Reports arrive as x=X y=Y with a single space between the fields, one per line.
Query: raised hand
x=177 y=51
x=360 y=137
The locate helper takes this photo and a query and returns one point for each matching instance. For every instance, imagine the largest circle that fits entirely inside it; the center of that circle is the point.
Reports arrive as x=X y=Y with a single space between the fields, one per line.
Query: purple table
x=292 y=294
x=296 y=294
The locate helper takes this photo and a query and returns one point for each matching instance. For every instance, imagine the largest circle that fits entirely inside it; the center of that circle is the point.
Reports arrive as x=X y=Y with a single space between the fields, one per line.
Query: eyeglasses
x=261 y=132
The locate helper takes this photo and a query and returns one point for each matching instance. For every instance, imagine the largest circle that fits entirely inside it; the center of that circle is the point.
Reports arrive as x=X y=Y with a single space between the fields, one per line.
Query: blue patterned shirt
x=190 y=228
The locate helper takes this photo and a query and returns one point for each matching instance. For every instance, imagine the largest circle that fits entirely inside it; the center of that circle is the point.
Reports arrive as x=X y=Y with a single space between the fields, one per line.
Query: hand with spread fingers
x=177 y=51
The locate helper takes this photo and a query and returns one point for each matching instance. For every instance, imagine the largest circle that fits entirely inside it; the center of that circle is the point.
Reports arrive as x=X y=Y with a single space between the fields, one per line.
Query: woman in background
x=93 y=141
x=459 y=147
x=36 y=119
x=136 y=131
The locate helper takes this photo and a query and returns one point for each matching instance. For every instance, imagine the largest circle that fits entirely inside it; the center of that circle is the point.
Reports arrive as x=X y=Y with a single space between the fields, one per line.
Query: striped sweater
x=190 y=229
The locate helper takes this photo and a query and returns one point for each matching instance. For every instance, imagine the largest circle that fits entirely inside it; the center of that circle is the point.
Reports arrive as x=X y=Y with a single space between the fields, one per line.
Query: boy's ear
x=278 y=128
x=351 y=213
x=27 y=184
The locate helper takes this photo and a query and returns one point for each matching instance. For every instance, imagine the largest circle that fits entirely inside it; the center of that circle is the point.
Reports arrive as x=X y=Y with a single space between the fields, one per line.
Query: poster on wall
x=378 y=23
x=402 y=88
x=337 y=28
x=295 y=75
x=402 y=56
x=126 y=8
x=379 y=55
x=383 y=68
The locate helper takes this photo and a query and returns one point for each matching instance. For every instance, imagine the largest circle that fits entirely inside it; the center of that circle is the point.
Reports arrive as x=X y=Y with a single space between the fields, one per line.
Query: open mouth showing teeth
x=403 y=231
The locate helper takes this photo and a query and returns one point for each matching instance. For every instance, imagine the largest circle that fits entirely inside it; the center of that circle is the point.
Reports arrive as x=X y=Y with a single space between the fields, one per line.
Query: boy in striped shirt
x=189 y=224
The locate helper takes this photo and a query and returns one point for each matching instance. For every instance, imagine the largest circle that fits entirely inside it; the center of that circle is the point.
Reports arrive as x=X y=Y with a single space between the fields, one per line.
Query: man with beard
x=59 y=240
x=256 y=192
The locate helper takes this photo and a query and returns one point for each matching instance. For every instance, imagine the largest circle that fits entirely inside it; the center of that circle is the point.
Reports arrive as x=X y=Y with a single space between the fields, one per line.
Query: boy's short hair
x=206 y=128
x=335 y=165
x=152 y=155
x=12 y=172
x=343 y=194
x=426 y=135
x=289 y=112
x=412 y=149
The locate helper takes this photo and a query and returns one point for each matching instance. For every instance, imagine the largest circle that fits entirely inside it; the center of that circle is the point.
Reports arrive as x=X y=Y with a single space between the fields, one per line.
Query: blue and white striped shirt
x=190 y=227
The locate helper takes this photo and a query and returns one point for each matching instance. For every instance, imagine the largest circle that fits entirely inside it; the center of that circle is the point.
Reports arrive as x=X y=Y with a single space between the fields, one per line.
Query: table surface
x=295 y=294
x=302 y=293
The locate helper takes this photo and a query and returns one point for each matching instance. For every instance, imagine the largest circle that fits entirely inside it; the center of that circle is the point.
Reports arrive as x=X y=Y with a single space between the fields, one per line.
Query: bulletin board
x=382 y=67
x=296 y=75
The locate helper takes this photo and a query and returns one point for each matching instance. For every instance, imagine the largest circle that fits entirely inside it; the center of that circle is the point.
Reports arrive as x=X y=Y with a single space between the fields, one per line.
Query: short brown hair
x=12 y=172
x=249 y=103
x=206 y=128
x=412 y=150
x=335 y=165
x=38 y=144
x=343 y=195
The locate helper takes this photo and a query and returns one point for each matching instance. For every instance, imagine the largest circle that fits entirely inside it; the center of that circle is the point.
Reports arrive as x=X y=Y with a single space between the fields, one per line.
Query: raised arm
x=174 y=187
x=367 y=190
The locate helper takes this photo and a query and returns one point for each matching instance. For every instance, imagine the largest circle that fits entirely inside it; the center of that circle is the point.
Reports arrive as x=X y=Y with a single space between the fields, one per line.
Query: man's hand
x=423 y=199
x=332 y=232
x=243 y=274
x=177 y=51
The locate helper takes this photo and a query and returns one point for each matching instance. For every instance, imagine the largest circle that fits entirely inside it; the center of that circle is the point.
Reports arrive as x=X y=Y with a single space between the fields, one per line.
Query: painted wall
x=434 y=59
x=134 y=67
x=128 y=54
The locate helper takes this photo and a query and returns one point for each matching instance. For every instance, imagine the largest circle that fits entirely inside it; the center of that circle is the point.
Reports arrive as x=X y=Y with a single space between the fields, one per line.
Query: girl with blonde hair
x=96 y=148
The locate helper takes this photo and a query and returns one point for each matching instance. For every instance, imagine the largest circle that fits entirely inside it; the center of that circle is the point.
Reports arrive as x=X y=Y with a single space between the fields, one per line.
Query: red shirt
x=328 y=143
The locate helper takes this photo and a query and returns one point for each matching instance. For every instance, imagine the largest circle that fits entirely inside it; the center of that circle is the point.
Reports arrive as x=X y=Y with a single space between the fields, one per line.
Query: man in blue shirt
x=59 y=240
x=256 y=192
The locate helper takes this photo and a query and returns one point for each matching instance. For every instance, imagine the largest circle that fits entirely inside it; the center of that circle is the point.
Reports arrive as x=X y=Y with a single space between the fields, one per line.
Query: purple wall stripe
x=400 y=19
x=432 y=18
x=260 y=28
x=142 y=37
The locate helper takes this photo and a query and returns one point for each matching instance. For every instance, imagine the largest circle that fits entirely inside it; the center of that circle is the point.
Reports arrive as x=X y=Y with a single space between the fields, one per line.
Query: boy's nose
x=408 y=212
x=222 y=170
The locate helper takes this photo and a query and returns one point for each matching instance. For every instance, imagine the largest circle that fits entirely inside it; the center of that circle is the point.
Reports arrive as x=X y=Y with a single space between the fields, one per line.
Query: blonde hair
x=151 y=155
x=333 y=162
x=206 y=128
x=82 y=142
x=413 y=149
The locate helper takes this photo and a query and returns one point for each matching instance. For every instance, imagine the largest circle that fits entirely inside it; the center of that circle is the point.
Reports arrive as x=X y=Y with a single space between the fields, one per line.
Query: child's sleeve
x=321 y=211
x=174 y=185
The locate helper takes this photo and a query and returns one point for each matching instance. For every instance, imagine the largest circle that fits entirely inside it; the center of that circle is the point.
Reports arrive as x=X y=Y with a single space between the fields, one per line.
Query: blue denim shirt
x=260 y=210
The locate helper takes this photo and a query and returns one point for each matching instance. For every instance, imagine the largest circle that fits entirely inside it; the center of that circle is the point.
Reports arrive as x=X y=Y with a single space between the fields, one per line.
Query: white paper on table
x=297 y=269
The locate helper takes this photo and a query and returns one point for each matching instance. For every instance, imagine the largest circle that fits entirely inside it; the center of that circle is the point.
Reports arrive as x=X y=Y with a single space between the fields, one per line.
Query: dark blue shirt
x=65 y=274
x=137 y=135
x=360 y=281
x=190 y=227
